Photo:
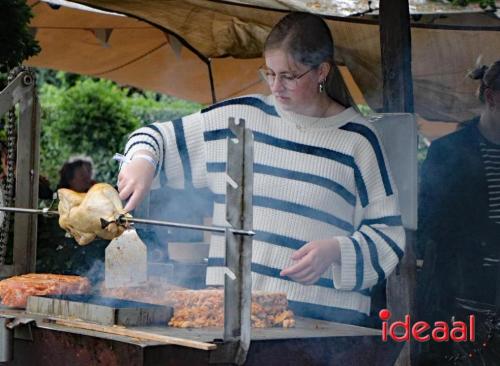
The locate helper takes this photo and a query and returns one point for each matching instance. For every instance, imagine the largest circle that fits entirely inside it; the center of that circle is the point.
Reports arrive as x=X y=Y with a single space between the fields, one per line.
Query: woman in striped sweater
x=326 y=214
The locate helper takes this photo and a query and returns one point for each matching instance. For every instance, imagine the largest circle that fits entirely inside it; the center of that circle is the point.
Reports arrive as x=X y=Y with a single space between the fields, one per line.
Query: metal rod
x=28 y=210
x=122 y=219
x=217 y=229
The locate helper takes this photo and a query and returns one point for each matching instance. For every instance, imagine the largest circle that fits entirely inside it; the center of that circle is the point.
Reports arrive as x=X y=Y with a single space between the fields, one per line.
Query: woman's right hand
x=134 y=182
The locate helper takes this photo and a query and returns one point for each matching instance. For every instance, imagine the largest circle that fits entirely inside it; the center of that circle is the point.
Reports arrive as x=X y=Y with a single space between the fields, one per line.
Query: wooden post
x=395 y=41
x=27 y=167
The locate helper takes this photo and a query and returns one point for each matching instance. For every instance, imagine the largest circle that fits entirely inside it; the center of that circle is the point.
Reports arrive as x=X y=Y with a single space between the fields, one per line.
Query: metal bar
x=238 y=280
x=215 y=229
x=28 y=210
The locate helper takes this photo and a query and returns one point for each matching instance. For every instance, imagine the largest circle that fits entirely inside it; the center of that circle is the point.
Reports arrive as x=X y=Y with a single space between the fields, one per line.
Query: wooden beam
x=395 y=41
x=132 y=333
x=27 y=166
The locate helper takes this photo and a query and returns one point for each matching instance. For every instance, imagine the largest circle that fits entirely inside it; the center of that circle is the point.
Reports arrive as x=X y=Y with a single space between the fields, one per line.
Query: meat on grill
x=80 y=214
x=14 y=291
x=205 y=308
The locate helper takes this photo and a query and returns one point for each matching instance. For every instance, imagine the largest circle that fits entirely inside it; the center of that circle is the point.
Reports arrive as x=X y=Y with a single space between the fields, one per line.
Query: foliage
x=485 y=4
x=18 y=43
x=92 y=117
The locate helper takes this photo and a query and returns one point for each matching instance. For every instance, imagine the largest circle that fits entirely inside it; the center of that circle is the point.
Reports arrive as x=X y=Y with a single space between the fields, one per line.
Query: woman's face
x=82 y=179
x=300 y=95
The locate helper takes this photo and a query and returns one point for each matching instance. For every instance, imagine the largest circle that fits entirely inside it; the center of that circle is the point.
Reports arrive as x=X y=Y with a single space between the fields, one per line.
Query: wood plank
x=141 y=335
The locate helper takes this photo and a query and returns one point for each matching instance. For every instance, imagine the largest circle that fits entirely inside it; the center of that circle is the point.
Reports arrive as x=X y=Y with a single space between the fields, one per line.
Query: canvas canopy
x=176 y=47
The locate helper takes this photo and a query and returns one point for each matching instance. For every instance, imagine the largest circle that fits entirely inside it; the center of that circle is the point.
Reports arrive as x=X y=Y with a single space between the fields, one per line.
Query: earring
x=321 y=86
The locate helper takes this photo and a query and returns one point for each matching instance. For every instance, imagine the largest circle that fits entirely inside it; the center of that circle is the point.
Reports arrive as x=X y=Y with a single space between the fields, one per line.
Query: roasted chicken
x=80 y=214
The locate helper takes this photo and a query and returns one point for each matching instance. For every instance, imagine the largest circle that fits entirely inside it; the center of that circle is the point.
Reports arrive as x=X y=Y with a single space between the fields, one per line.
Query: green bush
x=93 y=117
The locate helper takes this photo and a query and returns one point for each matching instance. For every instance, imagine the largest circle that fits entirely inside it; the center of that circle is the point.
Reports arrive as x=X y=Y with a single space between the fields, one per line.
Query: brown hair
x=304 y=36
x=68 y=170
x=489 y=76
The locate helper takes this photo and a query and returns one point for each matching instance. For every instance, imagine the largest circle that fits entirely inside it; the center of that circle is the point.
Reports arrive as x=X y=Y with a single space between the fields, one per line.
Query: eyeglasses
x=289 y=81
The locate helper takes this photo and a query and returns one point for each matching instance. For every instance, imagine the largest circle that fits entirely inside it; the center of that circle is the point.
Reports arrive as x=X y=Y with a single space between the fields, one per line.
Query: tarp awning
x=167 y=46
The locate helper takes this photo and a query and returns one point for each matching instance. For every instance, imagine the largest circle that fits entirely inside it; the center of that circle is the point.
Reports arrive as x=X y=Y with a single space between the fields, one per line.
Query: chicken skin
x=80 y=214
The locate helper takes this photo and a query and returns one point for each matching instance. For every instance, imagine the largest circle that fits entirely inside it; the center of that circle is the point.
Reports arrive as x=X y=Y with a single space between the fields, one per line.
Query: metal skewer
x=44 y=211
x=122 y=219
x=215 y=229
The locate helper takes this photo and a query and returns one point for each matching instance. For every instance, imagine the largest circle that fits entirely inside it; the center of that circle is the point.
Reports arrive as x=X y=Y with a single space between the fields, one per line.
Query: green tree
x=93 y=117
x=16 y=40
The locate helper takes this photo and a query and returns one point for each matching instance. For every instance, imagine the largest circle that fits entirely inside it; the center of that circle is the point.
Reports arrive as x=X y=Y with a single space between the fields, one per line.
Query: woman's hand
x=312 y=260
x=134 y=181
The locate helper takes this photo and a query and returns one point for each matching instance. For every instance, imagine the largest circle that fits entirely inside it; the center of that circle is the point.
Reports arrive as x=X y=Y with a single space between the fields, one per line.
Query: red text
x=421 y=331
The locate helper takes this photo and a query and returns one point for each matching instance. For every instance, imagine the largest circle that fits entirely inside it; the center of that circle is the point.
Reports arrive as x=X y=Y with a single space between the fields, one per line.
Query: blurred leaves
x=485 y=4
x=93 y=117
x=16 y=38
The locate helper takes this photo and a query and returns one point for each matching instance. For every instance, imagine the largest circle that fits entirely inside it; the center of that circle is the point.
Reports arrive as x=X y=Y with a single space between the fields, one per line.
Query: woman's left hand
x=312 y=260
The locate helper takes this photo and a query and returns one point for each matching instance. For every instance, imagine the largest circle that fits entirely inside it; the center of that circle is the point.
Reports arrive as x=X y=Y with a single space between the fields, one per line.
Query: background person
x=459 y=225
x=76 y=175
x=325 y=206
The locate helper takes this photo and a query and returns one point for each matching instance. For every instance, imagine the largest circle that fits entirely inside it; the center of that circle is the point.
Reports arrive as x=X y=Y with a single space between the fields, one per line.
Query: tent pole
x=212 y=85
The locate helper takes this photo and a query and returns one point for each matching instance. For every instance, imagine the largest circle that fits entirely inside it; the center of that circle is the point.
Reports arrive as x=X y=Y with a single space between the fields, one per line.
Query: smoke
x=188 y=206
x=95 y=274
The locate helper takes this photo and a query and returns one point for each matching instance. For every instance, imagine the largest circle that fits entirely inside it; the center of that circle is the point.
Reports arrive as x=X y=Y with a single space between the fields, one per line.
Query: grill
x=312 y=342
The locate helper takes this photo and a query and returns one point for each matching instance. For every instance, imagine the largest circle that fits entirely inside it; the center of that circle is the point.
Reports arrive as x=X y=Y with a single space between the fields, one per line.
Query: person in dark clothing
x=459 y=230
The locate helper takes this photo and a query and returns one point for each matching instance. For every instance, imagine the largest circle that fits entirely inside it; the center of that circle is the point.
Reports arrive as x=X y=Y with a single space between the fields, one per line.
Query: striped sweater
x=313 y=179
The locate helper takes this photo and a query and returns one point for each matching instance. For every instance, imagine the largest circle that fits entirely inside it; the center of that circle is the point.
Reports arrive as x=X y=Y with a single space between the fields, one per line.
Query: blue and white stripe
x=491 y=161
x=331 y=181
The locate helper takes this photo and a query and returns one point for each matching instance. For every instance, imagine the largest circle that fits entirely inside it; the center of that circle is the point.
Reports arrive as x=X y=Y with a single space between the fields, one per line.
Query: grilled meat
x=205 y=308
x=14 y=291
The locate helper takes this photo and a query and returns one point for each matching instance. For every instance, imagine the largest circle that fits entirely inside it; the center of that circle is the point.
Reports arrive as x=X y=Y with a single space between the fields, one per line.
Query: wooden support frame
x=22 y=92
